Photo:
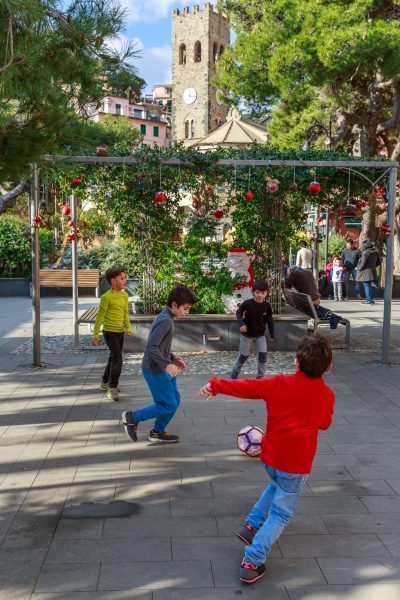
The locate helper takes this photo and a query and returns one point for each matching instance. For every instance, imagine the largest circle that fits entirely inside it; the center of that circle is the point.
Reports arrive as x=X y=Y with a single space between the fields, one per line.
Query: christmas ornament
x=70 y=223
x=272 y=187
x=379 y=191
x=249 y=195
x=218 y=214
x=200 y=215
x=294 y=187
x=76 y=180
x=123 y=188
x=384 y=228
x=160 y=197
x=102 y=151
x=314 y=188
x=37 y=220
x=66 y=210
x=71 y=237
x=363 y=204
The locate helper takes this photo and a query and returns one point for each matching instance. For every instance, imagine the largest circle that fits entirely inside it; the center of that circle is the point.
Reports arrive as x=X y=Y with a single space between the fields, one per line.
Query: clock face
x=189 y=95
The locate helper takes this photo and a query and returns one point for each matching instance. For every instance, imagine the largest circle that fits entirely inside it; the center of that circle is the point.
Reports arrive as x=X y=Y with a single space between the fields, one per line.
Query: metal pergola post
x=75 y=290
x=34 y=211
x=387 y=308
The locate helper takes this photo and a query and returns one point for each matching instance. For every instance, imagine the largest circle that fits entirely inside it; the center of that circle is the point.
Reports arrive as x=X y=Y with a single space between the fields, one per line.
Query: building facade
x=150 y=119
x=199 y=37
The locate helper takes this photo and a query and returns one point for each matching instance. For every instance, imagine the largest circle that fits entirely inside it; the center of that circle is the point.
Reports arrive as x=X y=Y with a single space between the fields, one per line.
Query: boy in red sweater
x=297 y=406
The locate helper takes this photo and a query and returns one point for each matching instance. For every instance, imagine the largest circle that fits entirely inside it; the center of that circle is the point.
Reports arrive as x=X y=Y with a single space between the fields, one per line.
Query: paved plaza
x=67 y=471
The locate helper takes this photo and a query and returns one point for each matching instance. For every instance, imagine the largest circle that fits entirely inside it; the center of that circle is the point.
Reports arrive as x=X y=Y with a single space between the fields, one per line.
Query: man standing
x=350 y=257
x=304 y=257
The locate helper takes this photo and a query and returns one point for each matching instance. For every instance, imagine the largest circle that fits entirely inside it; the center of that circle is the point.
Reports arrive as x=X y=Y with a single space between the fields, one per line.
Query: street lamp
x=316 y=129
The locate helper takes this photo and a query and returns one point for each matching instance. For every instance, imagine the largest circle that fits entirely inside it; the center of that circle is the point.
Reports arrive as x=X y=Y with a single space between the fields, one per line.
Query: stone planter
x=217 y=332
x=14 y=286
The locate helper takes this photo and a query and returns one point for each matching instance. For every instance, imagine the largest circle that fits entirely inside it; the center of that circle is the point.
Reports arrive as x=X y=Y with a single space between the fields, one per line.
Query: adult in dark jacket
x=350 y=257
x=366 y=268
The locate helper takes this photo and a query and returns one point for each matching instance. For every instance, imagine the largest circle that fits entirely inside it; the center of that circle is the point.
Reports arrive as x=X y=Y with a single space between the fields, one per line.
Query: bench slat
x=63 y=278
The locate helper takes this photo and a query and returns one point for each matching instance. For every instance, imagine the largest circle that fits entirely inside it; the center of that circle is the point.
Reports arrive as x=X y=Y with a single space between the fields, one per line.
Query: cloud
x=147 y=11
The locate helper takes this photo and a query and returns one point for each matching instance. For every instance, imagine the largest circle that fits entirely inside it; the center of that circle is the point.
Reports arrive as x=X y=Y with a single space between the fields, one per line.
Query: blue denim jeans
x=272 y=512
x=347 y=275
x=166 y=396
x=368 y=291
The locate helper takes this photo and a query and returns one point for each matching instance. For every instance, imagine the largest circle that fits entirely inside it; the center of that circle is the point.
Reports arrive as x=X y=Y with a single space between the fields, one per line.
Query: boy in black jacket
x=253 y=316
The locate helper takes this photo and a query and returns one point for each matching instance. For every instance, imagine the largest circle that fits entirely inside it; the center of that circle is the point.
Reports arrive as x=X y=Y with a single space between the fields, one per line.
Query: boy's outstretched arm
x=250 y=389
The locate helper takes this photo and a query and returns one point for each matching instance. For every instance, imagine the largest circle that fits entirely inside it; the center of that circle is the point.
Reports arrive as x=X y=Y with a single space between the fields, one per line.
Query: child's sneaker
x=234 y=375
x=163 y=436
x=104 y=386
x=112 y=394
x=129 y=425
x=246 y=534
x=250 y=573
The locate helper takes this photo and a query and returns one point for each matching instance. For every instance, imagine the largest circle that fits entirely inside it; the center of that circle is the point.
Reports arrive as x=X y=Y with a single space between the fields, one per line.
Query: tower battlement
x=205 y=7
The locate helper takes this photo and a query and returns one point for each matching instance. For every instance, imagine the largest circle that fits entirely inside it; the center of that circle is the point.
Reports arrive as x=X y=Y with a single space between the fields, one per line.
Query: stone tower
x=199 y=37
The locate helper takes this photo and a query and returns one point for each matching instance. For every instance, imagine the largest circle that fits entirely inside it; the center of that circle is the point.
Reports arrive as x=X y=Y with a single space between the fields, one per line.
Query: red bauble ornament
x=70 y=223
x=71 y=237
x=272 y=187
x=76 y=180
x=384 y=228
x=37 y=220
x=363 y=204
x=379 y=191
x=218 y=214
x=200 y=215
x=249 y=195
x=66 y=210
x=160 y=197
x=314 y=188
x=320 y=219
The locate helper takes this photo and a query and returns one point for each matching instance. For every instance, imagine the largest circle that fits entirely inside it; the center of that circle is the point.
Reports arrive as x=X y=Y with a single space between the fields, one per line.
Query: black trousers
x=115 y=343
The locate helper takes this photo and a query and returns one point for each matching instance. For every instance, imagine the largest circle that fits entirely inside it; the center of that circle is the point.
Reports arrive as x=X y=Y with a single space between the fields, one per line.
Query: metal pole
x=34 y=211
x=75 y=275
x=316 y=229
x=389 y=268
x=327 y=237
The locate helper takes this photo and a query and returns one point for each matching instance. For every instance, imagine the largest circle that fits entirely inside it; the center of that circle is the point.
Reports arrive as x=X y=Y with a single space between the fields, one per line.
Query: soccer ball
x=249 y=440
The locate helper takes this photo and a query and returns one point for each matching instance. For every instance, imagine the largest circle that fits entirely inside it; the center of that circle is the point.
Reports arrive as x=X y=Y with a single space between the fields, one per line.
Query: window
x=118 y=109
x=197 y=52
x=143 y=129
x=137 y=113
x=221 y=50
x=189 y=129
x=155 y=131
x=169 y=103
x=186 y=129
x=160 y=102
x=182 y=54
x=215 y=52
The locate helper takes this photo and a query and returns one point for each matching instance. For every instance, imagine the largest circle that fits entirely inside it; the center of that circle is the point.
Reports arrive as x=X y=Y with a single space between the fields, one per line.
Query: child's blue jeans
x=166 y=396
x=272 y=512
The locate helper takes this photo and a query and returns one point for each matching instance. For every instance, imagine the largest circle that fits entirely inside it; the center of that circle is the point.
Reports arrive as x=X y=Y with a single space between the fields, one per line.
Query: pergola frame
x=390 y=166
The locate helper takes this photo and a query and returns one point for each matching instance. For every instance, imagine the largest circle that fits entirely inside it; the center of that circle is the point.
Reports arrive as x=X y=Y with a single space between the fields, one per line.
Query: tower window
x=197 y=52
x=215 y=52
x=189 y=129
x=182 y=54
x=221 y=50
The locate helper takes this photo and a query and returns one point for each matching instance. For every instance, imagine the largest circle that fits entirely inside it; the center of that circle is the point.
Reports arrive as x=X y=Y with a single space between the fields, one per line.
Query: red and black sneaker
x=163 y=436
x=250 y=573
x=246 y=534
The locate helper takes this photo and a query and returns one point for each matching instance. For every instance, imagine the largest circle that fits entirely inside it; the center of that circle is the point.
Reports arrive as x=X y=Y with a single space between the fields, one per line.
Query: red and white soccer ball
x=249 y=440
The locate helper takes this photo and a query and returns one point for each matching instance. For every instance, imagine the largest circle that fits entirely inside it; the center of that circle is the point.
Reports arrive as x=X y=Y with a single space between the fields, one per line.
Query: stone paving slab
x=62 y=444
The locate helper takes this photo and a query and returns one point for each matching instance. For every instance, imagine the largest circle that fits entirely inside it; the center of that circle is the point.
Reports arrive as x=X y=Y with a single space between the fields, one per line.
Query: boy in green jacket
x=113 y=315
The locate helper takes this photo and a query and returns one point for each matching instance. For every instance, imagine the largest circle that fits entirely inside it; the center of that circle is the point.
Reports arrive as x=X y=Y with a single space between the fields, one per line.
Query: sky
x=149 y=23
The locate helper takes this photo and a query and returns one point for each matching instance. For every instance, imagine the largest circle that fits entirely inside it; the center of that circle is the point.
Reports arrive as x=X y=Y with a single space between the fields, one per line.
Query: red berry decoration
x=37 y=220
x=384 y=228
x=363 y=204
x=314 y=188
x=272 y=187
x=249 y=195
x=160 y=197
x=70 y=223
x=218 y=214
x=71 y=237
x=66 y=210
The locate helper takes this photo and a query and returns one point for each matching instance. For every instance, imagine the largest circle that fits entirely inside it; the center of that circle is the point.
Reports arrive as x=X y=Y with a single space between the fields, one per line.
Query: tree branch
x=9 y=199
x=393 y=121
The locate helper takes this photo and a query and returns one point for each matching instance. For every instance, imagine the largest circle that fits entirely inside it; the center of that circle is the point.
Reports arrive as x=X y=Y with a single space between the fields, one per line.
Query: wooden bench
x=304 y=304
x=62 y=278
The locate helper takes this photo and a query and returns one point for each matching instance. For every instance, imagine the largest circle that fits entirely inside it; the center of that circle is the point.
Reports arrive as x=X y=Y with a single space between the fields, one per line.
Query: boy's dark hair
x=261 y=285
x=314 y=355
x=181 y=295
x=113 y=273
x=349 y=241
x=303 y=244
